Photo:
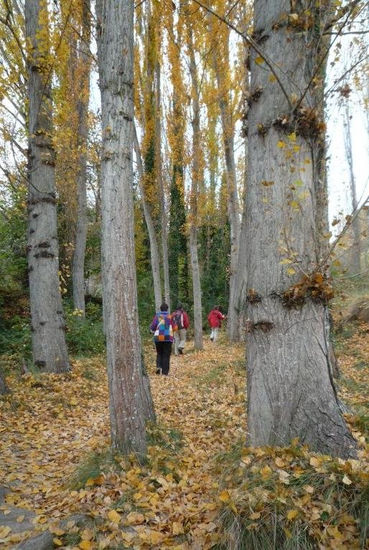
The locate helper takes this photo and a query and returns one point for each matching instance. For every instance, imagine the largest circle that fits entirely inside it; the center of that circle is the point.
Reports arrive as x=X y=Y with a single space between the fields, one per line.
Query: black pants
x=163 y=351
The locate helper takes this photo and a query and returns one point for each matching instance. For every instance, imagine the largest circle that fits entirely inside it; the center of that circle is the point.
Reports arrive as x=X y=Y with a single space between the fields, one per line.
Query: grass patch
x=93 y=466
x=71 y=539
x=213 y=377
x=352 y=385
x=289 y=498
x=91 y=373
x=168 y=439
x=272 y=534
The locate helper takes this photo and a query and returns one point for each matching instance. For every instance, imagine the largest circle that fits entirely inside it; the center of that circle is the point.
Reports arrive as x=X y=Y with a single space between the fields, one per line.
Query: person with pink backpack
x=162 y=328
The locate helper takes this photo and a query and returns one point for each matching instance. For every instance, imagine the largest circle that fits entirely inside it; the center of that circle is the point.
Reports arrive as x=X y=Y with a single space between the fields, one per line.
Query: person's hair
x=179 y=305
x=164 y=307
x=216 y=307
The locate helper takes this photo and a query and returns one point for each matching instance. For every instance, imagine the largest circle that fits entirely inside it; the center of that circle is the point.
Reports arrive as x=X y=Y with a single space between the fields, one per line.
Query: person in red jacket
x=215 y=319
x=181 y=324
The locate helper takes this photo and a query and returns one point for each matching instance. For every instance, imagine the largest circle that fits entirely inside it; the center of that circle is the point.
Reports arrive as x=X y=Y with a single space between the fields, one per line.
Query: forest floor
x=199 y=487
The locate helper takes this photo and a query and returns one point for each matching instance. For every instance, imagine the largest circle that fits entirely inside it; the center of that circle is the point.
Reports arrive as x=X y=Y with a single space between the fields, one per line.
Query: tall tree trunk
x=159 y=175
x=177 y=237
x=233 y=202
x=196 y=287
x=290 y=388
x=195 y=187
x=355 y=255
x=154 y=248
x=78 y=266
x=48 y=327
x=130 y=399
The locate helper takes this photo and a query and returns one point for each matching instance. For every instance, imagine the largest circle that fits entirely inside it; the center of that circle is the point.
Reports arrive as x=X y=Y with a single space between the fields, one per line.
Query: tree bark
x=78 y=265
x=48 y=327
x=195 y=185
x=154 y=247
x=290 y=388
x=162 y=198
x=130 y=399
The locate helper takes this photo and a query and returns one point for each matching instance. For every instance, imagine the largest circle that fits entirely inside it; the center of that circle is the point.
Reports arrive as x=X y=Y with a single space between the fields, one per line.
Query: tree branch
x=252 y=43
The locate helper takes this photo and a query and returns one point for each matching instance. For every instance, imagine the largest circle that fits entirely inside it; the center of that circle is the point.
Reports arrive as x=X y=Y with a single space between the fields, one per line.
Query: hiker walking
x=162 y=327
x=180 y=326
x=215 y=319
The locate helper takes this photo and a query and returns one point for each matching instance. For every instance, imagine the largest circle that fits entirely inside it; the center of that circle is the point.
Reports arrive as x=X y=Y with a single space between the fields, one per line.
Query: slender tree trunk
x=290 y=388
x=196 y=286
x=233 y=203
x=159 y=173
x=177 y=237
x=48 y=327
x=355 y=255
x=78 y=266
x=195 y=185
x=130 y=399
x=154 y=248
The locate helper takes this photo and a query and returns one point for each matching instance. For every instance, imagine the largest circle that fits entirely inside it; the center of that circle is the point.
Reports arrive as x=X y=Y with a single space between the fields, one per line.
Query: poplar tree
x=291 y=392
x=48 y=327
x=130 y=398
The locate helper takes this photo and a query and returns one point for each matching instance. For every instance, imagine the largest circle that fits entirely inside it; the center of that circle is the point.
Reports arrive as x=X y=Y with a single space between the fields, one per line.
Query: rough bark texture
x=48 y=327
x=130 y=399
x=290 y=387
x=154 y=247
x=78 y=266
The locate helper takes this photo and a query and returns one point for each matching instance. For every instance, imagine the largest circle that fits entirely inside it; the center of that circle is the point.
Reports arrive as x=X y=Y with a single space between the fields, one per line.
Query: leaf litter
x=199 y=486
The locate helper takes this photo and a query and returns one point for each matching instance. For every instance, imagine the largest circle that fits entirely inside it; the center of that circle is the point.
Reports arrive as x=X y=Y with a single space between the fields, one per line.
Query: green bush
x=15 y=338
x=85 y=336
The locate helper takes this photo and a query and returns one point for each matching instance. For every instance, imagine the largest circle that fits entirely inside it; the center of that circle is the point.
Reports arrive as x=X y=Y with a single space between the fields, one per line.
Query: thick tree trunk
x=130 y=399
x=290 y=387
x=78 y=266
x=48 y=327
x=154 y=247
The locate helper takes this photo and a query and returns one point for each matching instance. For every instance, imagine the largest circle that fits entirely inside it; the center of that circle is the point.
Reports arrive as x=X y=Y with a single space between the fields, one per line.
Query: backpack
x=164 y=330
x=177 y=318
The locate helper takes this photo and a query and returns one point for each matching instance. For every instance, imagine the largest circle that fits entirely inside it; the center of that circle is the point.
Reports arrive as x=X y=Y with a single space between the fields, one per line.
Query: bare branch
x=252 y=43
x=343 y=76
x=349 y=220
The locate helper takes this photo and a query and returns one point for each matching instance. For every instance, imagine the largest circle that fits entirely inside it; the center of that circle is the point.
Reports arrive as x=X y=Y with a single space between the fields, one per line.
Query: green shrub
x=15 y=339
x=85 y=336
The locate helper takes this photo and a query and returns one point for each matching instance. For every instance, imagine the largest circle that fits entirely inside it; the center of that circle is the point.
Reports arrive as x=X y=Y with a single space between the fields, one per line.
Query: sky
x=338 y=170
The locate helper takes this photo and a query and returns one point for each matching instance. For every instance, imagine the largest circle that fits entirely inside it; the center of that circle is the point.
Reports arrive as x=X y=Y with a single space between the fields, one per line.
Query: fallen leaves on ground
x=199 y=484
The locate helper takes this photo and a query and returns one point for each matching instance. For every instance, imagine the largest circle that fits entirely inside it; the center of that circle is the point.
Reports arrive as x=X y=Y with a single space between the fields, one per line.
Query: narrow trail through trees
x=56 y=464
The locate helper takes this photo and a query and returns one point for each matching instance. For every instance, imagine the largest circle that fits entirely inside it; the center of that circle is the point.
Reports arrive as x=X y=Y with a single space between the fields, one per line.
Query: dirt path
x=51 y=424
